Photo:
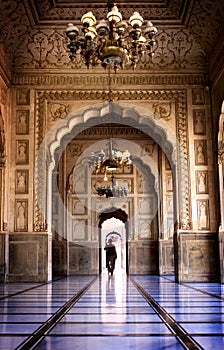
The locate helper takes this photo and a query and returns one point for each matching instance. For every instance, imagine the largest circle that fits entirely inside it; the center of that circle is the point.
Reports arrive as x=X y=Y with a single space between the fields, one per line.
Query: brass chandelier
x=112 y=42
x=113 y=190
x=109 y=160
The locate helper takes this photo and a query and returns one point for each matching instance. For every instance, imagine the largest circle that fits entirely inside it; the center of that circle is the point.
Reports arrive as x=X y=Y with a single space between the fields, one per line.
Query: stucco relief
x=101 y=79
x=199 y=121
x=22 y=122
x=58 y=111
x=23 y=97
x=21 y=178
x=48 y=49
x=47 y=12
x=2 y=141
x=206 y=12
x=201 y=182
x=200 y=148
x=22 y=152
x=45 y=47
x=203 y=214
x=21 y=209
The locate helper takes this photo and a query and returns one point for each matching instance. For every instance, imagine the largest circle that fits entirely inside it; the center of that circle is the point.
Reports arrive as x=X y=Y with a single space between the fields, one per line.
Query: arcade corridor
x=119 y=312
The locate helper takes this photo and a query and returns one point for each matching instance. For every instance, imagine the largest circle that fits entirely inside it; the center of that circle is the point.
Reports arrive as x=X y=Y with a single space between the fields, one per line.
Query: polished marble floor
x=112 y=312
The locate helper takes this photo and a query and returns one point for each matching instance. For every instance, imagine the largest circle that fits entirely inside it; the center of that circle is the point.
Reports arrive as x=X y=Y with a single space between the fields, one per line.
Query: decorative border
x=100 y=79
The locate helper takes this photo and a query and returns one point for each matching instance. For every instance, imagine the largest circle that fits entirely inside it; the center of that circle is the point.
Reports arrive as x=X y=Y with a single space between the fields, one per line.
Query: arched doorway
x=113 y=229
x=113 y=224
x=77 y=251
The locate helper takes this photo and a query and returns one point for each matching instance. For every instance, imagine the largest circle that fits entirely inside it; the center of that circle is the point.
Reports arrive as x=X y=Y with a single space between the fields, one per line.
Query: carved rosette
x=181 y=153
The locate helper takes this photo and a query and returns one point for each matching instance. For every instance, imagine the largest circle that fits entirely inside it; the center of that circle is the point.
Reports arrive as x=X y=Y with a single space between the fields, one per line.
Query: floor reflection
x=112 y=314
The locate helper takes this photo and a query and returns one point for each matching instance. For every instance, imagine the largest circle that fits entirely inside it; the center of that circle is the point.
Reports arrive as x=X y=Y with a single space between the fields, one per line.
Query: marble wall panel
x=166 y=257
x=143 y=257
x=28 y=257
x=59 y=258
x=83 y=259
x=198 y=257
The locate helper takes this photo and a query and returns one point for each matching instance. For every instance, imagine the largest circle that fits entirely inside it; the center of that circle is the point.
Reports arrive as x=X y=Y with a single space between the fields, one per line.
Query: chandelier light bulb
x=72 y=31
x=91 y=33
x=114 y=15
x=88 y=19
x=150 y=30
x=102 y=28
x=136 y=20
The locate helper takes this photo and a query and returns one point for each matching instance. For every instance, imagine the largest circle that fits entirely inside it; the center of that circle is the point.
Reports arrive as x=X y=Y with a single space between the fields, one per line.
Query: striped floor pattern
x=112 y=312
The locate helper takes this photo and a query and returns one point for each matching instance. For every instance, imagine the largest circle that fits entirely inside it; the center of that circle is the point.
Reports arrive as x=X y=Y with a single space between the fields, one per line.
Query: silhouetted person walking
x=111 y=256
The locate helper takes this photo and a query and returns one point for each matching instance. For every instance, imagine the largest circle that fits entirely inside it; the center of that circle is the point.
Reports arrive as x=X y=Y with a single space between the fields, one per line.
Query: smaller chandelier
x=114 y=190
x=112 y=42
x=109 y=160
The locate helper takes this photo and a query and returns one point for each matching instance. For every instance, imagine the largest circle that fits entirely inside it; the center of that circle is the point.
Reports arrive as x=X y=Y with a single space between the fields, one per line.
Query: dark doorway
x=106 y=215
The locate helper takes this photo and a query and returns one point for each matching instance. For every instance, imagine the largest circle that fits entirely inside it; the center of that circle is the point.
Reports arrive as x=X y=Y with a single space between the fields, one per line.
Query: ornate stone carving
x=58 y=111
x=2 y=141
x=199 y=121
x=22 y=152
x=21 y=209
x=162 y=109
x=177 y=96
x=201 y=182
x=200 y=148
x=207 y=11
x=198 y=96
x=80 y=80
x=220 y=155
x=22 y=122
x=47 y=49
x=21 y=181
x=149 y=148
x=203 y=214
x=75 y=149
x=23 y=97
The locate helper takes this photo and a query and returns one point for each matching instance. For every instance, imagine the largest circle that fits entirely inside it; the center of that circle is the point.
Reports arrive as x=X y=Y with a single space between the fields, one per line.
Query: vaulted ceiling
x=189 y=31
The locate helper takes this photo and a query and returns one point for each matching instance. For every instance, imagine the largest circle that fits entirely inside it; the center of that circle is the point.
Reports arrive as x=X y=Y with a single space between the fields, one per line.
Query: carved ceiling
x=32 y=32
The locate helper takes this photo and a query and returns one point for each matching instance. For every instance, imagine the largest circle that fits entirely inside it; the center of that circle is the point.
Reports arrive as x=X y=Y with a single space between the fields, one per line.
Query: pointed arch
x=113 y=213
